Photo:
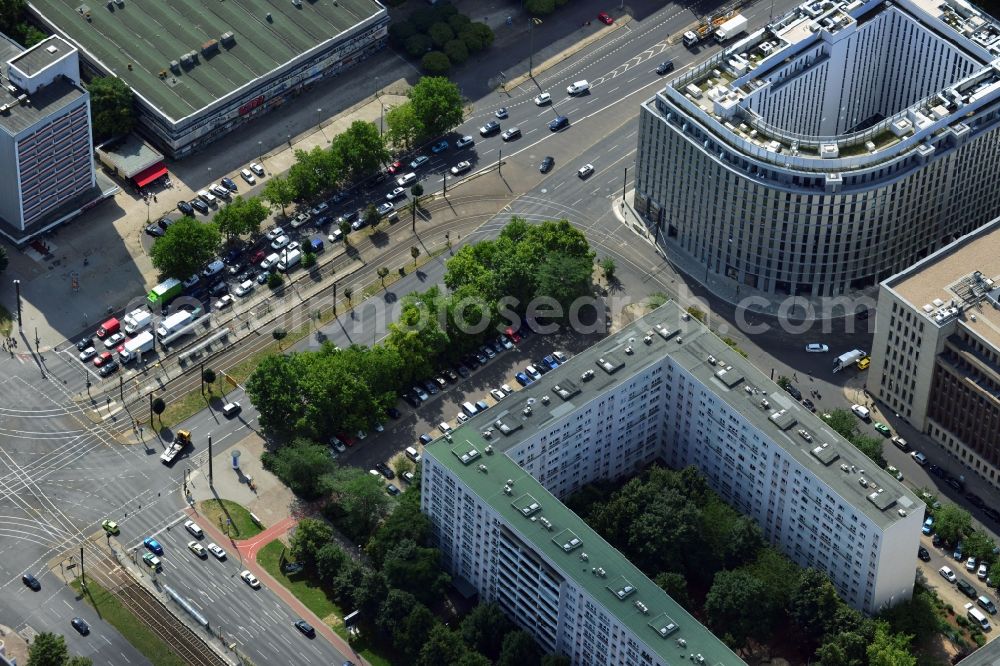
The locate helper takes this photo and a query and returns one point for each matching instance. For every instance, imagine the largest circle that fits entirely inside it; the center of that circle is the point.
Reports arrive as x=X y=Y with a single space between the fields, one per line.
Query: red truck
x=110 y=327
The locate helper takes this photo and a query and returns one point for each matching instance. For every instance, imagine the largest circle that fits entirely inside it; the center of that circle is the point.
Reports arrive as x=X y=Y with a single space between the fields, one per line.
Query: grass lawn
x=217 y=510
x=134 y=631
x=311 y=593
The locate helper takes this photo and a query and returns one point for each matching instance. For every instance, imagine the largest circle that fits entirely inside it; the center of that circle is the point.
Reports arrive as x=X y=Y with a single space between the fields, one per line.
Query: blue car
x=551 y=361
x=522 y=379
x=153 y=545
x=439 y=147
x=928 y=525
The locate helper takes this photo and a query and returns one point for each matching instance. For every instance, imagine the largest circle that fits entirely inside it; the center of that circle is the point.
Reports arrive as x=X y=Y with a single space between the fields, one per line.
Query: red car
x=512 y=334
x=604 y=18
x=258 y=257
x=394 y=168
x=102 y=358
x=346 y=439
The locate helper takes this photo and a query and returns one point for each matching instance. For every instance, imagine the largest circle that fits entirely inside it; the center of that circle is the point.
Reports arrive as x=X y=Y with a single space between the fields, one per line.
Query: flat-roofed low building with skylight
x=664 y=388
x=201 y=69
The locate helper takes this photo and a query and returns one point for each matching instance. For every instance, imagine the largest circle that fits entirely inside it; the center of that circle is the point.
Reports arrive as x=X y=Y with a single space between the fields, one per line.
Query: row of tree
x=434 y=106
x=396 y=589
x=187 y=244
x=314 y=394
x=681 y=534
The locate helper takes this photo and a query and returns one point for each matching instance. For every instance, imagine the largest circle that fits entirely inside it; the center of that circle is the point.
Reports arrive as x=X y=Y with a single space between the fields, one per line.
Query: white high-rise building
x=665 y=388
x=45 y=138
x=829 y=150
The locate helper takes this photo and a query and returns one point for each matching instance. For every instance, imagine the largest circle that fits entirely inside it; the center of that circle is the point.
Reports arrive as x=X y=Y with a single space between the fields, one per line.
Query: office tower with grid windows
x=667 y=388
x=827 y=151
x=936 y=352
x=45 y=138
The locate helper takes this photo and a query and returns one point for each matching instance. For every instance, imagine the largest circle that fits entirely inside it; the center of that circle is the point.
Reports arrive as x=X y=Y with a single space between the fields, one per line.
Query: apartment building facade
x=665 y=387
x=936 y=352
x=829 y=150
x=45 y=134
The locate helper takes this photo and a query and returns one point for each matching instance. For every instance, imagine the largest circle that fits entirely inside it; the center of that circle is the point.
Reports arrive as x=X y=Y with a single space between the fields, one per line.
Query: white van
x=977 y=616
x=289 y=260
x=578 y=87
x=861 y=412
x=207 y=197
x=469 y=408
x=412 y=454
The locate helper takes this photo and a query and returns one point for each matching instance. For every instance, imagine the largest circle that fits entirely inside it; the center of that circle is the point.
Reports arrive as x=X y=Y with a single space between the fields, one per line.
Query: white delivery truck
x=174 y=323
x=578 y=87
x=731 y=28
x=137 y=320
x=289 y=260
x=137 y=346
x=848 y=358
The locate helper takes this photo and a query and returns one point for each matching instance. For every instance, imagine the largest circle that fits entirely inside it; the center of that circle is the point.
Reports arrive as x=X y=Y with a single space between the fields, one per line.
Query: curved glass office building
x=828 y=151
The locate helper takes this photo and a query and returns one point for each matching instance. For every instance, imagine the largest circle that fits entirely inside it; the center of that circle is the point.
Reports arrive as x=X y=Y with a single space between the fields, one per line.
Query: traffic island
x=232 y=518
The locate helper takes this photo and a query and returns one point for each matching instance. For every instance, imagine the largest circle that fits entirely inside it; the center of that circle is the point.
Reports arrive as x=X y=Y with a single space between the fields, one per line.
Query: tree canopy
x=241 y=217
x=359 y=150
x=185 y=247
x=951 y=522
x=111 y=107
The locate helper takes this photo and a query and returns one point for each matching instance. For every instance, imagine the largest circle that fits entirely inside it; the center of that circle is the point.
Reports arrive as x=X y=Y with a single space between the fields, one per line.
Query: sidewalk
x=103 y=250
x=273 y=503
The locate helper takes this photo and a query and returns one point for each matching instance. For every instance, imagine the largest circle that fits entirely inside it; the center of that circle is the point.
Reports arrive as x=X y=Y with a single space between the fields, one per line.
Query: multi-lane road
x=63 y=470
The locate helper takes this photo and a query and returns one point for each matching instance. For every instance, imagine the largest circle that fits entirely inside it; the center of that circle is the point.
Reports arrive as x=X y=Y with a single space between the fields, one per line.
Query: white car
x=506 y=389
x=465 y=142
x=497 y=394
x=970 y=564
x=533 y=373
x=275 y=232
x=250 y=579
x=444 y=427
x=223 y=303
x=983 y=573
x=280 y=242
x=257 y=169
x=217 y=551
x=396 y=193
x=197 y=549
x=543 y=99
x=861 y=412
x=585 y=170
x=194 y=529
x=214 y=268
x=244 y=288
x=192 y=281
x=383 y=209
x=113 y=340
x=270 y=261
x=88 y=354
x=948 y=574
x=462 y=417
x=406 y=179
x=247 y=176
x=816 y=347
x=294 y=245
x=461 y=167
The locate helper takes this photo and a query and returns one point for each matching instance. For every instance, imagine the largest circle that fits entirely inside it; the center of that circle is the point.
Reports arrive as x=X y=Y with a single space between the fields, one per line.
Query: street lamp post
x=17 y=291
x=319 y=120
x=378 y=96
x=260 y=151
x=531 y=45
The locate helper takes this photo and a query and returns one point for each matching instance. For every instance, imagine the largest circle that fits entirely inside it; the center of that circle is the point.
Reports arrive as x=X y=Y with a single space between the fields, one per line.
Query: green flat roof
x=152 y=34
x=563 y=537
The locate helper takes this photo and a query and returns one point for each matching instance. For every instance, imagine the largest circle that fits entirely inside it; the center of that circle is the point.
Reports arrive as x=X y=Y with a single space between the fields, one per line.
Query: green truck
x=164 y=292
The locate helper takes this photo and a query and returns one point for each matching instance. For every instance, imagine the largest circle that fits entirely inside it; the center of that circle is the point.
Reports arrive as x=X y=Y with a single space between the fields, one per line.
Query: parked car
x=923 y=554
x=246 y=175
x=383 y=209
x=439 y=147
x=948 y=574
x=883 y=429
x=154 y=230
x=605 y=18
x=522 y=379
x=244 y=288
x=257 y=169
x=816 y=347
x=229 y=184
x=185 y=207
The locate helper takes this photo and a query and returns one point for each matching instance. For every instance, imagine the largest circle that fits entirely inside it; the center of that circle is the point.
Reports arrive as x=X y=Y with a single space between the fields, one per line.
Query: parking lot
x=446 y=405
x=950 y=592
